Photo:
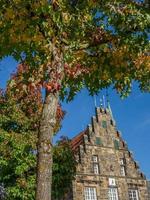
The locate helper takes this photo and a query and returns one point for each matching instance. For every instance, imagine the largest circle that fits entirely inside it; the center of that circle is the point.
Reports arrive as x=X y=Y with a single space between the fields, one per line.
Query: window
x=95 y=168
x=122 y=161
x=122 y=171
x=98 y=141
x=113 y=194
x=104 y=124
x=133 y=194
x=122 y=167
x=95 y=158
x=90 y=193
x=95 y=164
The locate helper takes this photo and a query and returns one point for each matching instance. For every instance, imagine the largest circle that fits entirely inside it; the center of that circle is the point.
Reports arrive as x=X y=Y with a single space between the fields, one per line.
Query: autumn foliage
x=64 y=46
x=18 y=150
x=101 y=44
x=29 y=96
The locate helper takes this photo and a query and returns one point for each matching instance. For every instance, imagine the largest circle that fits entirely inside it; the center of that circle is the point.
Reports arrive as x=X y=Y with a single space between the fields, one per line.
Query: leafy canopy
x=18 y=138
x=101 y=43
x=64 y=168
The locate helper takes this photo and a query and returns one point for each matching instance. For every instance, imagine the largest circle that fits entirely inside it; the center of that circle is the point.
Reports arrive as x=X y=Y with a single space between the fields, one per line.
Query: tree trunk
x=44 y=165
x=46 y=131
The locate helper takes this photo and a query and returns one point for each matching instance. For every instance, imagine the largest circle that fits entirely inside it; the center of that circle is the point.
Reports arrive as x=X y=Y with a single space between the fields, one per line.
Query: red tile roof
x=77 y=140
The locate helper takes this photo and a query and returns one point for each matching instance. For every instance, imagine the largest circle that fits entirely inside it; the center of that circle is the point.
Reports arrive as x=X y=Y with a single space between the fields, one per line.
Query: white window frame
x=113 y=193
x=133 y=194
x=122 y=170
x=95 y=168
x=95 y=158
x=95 y=164
x=122 y=161
x=90 y=193
x=122 y=167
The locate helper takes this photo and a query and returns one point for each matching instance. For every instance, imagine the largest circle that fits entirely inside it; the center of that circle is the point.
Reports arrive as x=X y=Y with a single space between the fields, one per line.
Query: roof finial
x=104 y=101
x=101 y=103
x=95 y=102
x=108 y=104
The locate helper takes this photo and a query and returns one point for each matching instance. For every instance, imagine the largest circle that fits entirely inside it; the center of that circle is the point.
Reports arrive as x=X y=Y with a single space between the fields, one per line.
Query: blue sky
x=132 y=116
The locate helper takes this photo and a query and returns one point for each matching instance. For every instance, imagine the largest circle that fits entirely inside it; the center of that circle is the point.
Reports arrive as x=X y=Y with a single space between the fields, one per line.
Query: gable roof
x=78 y=140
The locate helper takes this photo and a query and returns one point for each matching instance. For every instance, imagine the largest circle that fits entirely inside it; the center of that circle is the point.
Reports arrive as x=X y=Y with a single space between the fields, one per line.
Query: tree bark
x=46 y=131
x=44 y=163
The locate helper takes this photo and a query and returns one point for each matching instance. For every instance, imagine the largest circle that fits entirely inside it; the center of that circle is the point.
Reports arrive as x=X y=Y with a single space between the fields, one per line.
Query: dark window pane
x=104 y=124
x=98 y=141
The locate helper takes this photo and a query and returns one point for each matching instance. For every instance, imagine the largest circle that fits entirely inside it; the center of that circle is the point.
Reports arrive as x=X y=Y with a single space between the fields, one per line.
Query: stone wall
x=104 y=141
x=148 y=186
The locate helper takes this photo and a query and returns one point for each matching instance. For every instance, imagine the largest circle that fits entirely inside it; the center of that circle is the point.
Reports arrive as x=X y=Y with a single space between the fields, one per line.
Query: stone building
x=148 y=186
x=106 y=169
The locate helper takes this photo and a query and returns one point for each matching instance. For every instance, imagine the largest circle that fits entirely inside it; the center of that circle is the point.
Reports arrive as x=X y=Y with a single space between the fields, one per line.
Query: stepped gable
x=88 y=135
x=105 y=168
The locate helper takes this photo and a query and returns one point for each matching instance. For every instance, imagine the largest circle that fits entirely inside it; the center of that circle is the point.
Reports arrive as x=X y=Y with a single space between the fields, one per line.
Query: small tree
x=70 y=44
x=18 y=137
x=64 y=168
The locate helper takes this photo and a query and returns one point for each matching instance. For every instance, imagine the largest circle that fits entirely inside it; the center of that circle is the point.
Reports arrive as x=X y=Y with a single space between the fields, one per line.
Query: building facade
x=148 y=186
x=106 y=169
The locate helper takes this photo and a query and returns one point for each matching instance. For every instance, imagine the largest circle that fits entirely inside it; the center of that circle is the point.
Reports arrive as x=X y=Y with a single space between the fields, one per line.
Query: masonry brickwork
x=148 y=185
x=106 y=169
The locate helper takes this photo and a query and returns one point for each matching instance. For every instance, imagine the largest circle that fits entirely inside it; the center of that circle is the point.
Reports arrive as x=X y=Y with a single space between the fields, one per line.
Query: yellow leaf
x=9 y=14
